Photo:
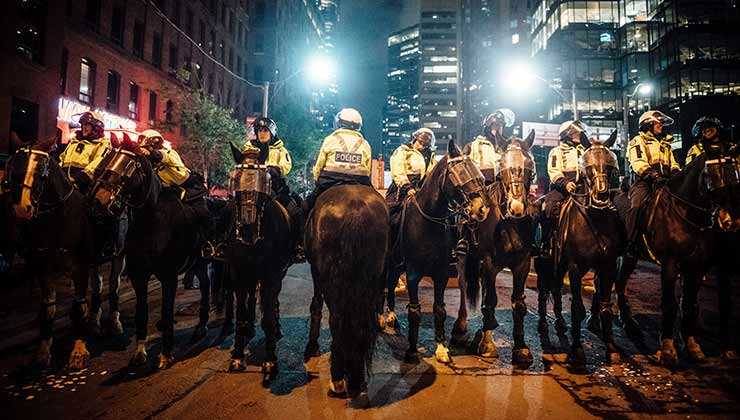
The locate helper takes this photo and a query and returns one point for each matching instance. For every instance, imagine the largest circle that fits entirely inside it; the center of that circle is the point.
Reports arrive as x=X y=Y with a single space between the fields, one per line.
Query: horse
x=505 y=240
x=52 y=224
x=425 y=237
x=590 y=234
x=682 y=218
x=258 y=252
x=162 y=238
x=347 y=237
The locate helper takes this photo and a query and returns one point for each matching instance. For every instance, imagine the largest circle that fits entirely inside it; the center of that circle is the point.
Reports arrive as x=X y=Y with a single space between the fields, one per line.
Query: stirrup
x=461 y=249
x=208 y=250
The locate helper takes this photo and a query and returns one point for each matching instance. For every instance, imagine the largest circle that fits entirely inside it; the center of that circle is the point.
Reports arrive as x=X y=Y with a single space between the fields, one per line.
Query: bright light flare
x=645 y=89
x=320 y=69
x=518 y=77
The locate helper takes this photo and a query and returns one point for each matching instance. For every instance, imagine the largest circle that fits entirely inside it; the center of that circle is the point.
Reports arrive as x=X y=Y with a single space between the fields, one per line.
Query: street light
x=520 y=76
x=642 y=88
x=319 y=69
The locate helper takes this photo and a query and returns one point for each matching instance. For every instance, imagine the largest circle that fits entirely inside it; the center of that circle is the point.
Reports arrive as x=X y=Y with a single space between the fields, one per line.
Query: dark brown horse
x=505 y=240
x=54 y=228
x=347 y=238
x=426 y=235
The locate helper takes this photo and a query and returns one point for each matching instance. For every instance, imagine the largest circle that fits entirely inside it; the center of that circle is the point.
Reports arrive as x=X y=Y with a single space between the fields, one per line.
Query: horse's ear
x=17 y=142
x=530 y=139
x=114 y=140
x=501 y=141
x=238 y=156
x=44 y=145
x=611 y=140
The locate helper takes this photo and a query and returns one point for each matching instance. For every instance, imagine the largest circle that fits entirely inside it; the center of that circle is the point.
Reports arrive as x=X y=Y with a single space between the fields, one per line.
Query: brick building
x=116 y=56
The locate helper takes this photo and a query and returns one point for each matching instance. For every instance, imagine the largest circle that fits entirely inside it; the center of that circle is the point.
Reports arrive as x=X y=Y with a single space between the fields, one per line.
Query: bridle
x=515 y=174
x=124 y=164
x=41 y=161
x=250 y=185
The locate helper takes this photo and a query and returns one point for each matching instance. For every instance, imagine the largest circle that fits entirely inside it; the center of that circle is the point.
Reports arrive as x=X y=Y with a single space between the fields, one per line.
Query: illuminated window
x=87 y=81
x=515 y=39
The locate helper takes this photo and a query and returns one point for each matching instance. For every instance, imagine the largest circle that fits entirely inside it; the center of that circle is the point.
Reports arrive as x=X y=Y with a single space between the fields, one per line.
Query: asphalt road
x=199 y=385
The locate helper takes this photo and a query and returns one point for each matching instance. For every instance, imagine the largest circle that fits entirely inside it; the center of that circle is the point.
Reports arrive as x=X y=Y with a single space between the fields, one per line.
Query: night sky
x=361 y=48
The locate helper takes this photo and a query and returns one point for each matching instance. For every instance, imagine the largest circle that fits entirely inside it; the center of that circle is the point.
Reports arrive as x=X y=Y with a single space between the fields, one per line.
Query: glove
x=651 y=175
x=571 y=187
x=82 y=181
x=156 y=156
x=411 y=192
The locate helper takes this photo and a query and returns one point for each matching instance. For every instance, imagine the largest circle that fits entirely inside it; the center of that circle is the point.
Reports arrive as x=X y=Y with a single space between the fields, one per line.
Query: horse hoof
x=522 y=357
x=139 y=358
x=594 y=324
x=337 y=389
x=694 y=350
x=729 y=355
x=94 y=328
x=577 y=357
x=43 y=355
x=201 y=330
x=237 y=365
x=278 y=332
x=667 y=355
x=460 y=328
x=391 y=321
x=116 y=328
x=412 y=356
x=360 y=398
x=80 y=357
x=612 y=355
x=487 y=348
x=631 y=327
x=381 y=322
x=442 y=355
x=227 y=328
x=312 y=350
x=165 y=361
x=542 y=326
x=269 y=367
x=560 y=326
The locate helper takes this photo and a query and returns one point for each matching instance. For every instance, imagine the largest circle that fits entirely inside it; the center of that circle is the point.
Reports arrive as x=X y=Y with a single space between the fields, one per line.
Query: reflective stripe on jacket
x=346 y=152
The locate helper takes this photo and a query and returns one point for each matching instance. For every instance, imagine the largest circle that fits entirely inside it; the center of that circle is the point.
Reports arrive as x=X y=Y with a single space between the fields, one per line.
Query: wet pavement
x=199 y=385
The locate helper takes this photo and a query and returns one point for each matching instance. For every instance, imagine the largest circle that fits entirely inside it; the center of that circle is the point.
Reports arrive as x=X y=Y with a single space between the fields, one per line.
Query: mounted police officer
x=710 y=139
x=651 y=157
x=484 y=150
x=409 y=164
x=345 y=156
x=85 y=151
x=273 y=153
x=564 y=172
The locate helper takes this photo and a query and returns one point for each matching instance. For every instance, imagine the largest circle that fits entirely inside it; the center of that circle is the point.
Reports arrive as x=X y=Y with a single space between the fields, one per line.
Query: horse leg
x=667 y=354
x=727 y=349
x=593 y=323
x=392 y=281
x=544 y=272
x=95 y=312
x=338 y=362
x=276 y=311
x=690 y=314
x=486 y=347
x=241 y=334
x=317 y=306
x=442 y=354
x=577 y=312
x=521 y=355
x=47 y=313
x=605 y=273
x=80 y=356
x=166 y=324
x=460 y=327
x=269 y=292
x=114 y=316
x=204 y=284
x=626 y=266
x=141 y=290
x=556 y=290
x=414 y=315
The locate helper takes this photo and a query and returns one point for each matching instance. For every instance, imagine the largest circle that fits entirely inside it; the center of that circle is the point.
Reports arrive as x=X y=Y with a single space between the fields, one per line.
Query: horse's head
x=721 y=179
x=27 y=173
x=516 y=171
x=601 y=170
x=250 y=185
x=464 y=184
x=123 y=178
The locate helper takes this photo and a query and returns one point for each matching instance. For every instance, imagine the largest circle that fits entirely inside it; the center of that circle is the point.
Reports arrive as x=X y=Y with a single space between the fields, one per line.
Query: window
x=63 y=71
x=118 y=24
x=176 y=6
x=29 y=31
x=133 y=102
x=169 y=111
x=515 y=39
x=87 y=81
x=114 y=88
x=92 y=14
x=189 y=23
x=173 y=57
x=157 y=50
x=212 y=45
x=202 y=34
x=152 y=108
x=139 y=39
x=222 y=52
x=223 y=13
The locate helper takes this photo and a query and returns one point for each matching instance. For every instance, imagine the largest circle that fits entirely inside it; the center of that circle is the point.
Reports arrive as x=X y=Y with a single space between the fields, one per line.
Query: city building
x=118 y=57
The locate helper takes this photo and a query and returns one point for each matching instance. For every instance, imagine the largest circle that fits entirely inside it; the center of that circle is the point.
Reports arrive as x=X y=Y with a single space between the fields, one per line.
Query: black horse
x=590 y=235
x=505 y=240
x=53 y=227
x=163 y=238
x=425 y=237
x=347 y=237
x=681 y=220
x=258 y=252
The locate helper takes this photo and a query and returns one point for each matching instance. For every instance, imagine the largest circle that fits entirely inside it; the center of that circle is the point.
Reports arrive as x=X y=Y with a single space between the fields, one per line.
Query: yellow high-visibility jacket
x=171 y=170
x=562 y=163
x=344 y=151
x=84 y=154
x=484 y=153
x=277 y=156
x=407 y=161
x=645 y=152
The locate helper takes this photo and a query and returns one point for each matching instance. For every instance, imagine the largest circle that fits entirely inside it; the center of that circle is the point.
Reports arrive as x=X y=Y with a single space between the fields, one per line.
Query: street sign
x=250 y=132
x=545 y=135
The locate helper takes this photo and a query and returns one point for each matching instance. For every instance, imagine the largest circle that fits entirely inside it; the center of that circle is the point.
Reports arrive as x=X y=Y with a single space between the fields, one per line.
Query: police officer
x=564 y=173
x=345 y=156
x=707 y=133
x=85 y=151
x=409 y=164
x=651 y=157
x=273 y=153
x=484 y=150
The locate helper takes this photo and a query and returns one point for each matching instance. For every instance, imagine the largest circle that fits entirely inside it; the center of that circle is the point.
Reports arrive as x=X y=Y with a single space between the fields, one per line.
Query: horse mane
x=686 y=182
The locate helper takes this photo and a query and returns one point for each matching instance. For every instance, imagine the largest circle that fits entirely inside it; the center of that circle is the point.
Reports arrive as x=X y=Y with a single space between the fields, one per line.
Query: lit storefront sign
x=68 y=109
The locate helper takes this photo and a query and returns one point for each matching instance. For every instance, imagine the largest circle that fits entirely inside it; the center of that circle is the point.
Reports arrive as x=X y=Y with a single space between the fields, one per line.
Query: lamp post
x=641 y=88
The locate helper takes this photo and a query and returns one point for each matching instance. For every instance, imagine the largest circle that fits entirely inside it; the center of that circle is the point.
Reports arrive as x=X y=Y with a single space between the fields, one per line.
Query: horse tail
x=472 y=278
x=353 y=281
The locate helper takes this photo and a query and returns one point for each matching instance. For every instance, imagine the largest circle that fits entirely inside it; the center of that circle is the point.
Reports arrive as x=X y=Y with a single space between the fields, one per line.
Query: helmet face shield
x=704 y=123
x=656 y=117
x=426 y=137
